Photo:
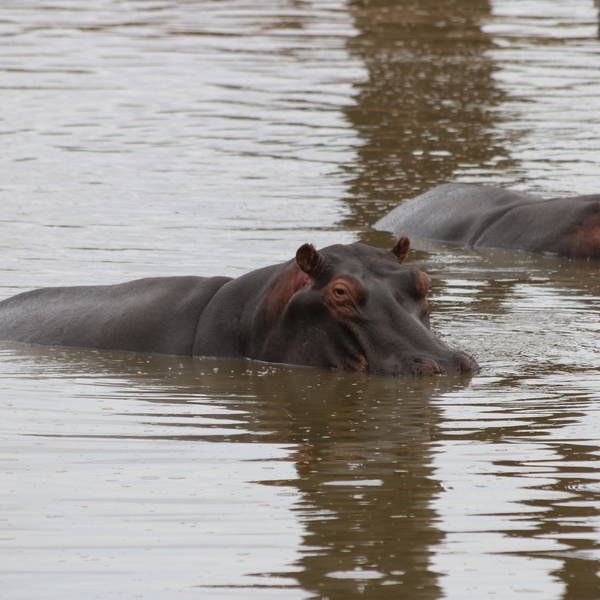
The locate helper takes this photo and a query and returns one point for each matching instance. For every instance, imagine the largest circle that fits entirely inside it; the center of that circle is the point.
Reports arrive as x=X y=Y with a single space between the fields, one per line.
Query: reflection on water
x=430 y=105
x=360 y=487
x=148 y=138
x=121 y=476
x=378 y=486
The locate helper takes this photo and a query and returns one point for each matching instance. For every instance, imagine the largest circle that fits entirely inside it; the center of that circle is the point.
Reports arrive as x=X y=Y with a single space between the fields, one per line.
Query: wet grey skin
x=490 y=217
x=346 y=307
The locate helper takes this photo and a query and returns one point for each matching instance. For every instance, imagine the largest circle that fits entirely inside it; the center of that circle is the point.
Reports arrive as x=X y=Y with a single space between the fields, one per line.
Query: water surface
x=157 y=137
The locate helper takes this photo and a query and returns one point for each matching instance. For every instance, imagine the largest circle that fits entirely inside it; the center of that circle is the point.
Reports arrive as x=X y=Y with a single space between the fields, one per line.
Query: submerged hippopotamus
x=482 y=216
x=350 y=307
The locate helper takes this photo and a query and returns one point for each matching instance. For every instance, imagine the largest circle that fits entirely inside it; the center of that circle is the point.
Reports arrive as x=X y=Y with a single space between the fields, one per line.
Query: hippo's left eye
x=340 y=292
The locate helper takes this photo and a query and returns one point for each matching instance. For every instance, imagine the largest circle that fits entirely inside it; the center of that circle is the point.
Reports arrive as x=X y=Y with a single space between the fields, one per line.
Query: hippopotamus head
x=355 y=307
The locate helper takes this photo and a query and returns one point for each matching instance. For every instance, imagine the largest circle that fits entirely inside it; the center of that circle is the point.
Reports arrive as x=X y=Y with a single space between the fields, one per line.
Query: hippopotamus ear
x=308 y=259
x=400 y=250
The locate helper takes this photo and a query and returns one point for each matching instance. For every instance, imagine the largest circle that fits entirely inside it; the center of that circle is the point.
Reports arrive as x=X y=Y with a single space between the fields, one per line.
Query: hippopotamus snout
x=454 y=363
x=459 y=364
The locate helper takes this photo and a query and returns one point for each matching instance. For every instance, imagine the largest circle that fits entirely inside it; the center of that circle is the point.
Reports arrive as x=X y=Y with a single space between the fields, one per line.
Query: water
x=159 y=137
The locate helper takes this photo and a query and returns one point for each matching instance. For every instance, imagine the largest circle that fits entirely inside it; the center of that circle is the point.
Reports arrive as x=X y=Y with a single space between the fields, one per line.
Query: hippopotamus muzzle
x=454 y=363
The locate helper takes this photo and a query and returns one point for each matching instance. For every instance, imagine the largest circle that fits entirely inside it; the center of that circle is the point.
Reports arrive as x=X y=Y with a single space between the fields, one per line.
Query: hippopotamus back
x=155 y=314
x=484 y=216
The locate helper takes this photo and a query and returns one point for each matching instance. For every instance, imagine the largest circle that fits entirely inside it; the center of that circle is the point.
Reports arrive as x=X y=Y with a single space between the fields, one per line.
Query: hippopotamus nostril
x=362 y=364
x=465 y=363
x=427 y=367
x=459 y=363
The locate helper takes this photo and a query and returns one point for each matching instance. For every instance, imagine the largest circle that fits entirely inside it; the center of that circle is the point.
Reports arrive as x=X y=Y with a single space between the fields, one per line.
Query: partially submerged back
x=146 y=315
x=490 y=217
x=452 y=212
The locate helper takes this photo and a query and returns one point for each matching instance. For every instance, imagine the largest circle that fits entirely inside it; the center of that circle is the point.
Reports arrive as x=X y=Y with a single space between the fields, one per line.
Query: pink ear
x=308 y=259
x=400 y=250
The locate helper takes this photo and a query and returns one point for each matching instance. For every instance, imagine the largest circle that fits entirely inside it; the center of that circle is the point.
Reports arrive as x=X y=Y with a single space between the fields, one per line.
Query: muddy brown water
x=156 y=137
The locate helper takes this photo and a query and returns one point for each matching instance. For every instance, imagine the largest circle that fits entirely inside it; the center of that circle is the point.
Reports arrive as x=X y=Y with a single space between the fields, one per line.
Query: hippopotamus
x=490 y=217
x=346 y=307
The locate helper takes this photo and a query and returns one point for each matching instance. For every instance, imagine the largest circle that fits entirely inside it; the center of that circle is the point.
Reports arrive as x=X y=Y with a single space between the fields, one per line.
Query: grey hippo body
x=490 y=217
x=347 y=307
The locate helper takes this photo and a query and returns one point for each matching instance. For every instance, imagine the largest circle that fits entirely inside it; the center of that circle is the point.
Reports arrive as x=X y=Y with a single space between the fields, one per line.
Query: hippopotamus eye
x=344 y=295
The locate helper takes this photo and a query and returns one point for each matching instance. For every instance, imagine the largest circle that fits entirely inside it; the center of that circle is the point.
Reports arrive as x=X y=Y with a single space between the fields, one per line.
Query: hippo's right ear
x=308 y=259
x=400 y=250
